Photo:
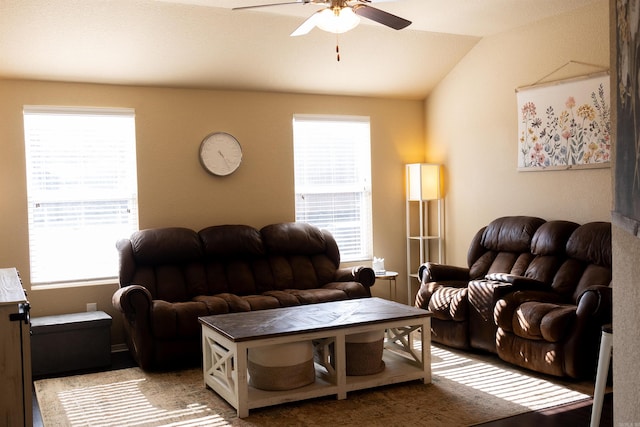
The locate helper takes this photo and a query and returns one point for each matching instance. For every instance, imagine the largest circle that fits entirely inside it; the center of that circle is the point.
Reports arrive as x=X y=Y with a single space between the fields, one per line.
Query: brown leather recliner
x=554 y=326
x=503 y=246
x=547 y=252
x=540 y=307
x=171 y=276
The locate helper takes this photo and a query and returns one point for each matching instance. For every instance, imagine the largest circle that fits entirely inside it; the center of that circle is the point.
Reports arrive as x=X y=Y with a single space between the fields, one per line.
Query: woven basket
x=281 y=366
x=364 y=353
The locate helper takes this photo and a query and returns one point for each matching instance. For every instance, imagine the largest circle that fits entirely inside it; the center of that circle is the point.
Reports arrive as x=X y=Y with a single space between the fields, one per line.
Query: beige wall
x=626 y=318
x=472 y=128
x=173 y=188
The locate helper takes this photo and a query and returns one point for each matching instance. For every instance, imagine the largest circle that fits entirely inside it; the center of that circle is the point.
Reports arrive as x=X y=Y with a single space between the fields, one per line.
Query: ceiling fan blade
x=266 y=5
x=279 y=4
x=381 y=16
x=307 y=25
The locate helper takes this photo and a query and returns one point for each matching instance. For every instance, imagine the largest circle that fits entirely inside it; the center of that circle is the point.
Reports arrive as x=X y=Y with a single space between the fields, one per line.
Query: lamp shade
x=338 y=22
x=423 y=181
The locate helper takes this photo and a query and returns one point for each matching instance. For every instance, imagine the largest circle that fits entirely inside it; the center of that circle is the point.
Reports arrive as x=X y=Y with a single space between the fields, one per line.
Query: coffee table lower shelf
x=225 y=365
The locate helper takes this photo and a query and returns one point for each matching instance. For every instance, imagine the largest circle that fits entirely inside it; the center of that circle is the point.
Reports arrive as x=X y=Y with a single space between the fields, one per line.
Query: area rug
x=466 y=389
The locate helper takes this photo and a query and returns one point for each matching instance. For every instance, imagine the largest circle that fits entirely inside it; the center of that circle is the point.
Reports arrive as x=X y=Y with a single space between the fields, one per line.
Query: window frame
x=109 y=186
x=360 y=187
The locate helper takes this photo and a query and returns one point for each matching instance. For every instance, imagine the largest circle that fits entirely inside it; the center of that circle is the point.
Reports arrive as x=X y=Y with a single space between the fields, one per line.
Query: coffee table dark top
x=275 y=322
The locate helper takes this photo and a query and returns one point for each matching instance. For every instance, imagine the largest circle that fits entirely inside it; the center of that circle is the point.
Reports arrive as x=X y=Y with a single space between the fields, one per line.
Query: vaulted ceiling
x=206 y=44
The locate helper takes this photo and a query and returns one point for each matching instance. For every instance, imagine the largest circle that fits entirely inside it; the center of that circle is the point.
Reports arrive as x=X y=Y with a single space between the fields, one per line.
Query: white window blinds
x=333 y=179
x=81 y=190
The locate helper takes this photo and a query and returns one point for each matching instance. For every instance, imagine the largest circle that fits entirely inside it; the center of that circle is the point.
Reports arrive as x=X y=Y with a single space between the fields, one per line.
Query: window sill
x=78 y=284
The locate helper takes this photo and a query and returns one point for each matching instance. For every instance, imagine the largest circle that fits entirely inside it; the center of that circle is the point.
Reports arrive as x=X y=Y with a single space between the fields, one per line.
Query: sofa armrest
x=361 y=274
x=434 y=272
x=507 y=283
x=519 y=282
x=132 y=300
x=597 y=302
x=433 y=275
x=136 y=305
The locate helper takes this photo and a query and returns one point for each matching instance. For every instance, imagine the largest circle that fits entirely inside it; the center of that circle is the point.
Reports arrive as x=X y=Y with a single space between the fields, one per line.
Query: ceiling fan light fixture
x=337 y=22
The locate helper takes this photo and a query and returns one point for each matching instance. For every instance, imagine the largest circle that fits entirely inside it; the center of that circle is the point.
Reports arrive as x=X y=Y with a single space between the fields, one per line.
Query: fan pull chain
x=337 y=49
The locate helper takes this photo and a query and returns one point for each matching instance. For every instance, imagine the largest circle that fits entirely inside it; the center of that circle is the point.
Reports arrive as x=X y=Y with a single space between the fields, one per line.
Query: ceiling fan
x=340 y=16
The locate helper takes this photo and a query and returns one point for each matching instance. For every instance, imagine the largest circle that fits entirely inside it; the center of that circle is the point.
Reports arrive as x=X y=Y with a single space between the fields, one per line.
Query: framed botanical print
x=565 y=124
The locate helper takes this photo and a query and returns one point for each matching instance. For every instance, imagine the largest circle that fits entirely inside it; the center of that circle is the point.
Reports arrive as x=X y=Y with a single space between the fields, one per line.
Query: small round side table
x=391 y=277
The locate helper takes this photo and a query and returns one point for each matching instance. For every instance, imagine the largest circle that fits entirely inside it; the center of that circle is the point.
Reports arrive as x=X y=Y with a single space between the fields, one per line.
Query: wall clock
x=220 y=153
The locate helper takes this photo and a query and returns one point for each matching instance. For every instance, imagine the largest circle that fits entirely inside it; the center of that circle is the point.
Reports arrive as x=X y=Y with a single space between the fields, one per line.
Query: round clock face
x=220 y=153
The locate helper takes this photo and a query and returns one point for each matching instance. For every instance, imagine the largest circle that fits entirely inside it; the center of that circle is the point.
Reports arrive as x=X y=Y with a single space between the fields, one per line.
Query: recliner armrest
x=434 y=272
x=362 y=274
x=519 y=282
x=596 y=301
x=512 y=282
x=132 y=300
x=136 y=304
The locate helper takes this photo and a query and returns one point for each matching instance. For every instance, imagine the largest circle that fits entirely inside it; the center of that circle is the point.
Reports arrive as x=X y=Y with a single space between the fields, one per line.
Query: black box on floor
x=70 y=342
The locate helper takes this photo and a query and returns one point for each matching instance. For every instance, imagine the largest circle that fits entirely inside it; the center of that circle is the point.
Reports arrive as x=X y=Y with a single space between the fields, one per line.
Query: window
x=81 y=190
x=332 y=156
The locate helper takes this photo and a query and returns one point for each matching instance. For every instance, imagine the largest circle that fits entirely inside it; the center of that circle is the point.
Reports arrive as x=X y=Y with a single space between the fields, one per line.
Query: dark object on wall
x=627 y=165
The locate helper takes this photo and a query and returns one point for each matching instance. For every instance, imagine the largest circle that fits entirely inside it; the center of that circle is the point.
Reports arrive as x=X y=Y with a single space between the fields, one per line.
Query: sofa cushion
x=551 y=237
x=172 y=245
x=214 y=304
x=301 y=272
x=588 y=263
x=549 y=247
x=591 y=243
x=537 y=355
x=180 y=319
x=231 y=241
x=234 y=260
x=223 y=303
x=293 y=238
x=300 y=256
x=167 y=261
x=236 y=276
x=262 y=302
x=503 y=246
x=593 y=275
x=351 y=289
x=285 y=299
x=543 y=321
x=312 y=296
x=511 y=234
x=566 y=279
x=234 y=302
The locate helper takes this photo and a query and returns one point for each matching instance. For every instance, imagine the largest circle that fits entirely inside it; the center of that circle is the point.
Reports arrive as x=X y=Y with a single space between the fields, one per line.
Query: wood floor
x=574 y=414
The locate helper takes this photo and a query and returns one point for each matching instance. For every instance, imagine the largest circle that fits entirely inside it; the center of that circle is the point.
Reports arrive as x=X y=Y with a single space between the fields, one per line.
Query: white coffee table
x=226 y=339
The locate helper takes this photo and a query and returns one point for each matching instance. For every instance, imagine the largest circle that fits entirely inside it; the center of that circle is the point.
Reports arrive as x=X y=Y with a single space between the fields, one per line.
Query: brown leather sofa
x=535 y=293
x=171 y=276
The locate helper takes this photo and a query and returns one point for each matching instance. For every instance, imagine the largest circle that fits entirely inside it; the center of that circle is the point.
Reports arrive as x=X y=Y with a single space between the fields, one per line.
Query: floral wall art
x=565 y=125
